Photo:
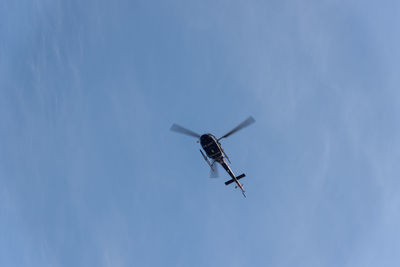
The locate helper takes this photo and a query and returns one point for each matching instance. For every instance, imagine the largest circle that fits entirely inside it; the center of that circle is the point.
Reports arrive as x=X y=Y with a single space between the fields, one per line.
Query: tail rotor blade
x=179 y=129
x=244 y=124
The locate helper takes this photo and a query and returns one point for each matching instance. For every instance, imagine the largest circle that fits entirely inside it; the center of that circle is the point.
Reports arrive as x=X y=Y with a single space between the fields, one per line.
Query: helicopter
x=215 y=152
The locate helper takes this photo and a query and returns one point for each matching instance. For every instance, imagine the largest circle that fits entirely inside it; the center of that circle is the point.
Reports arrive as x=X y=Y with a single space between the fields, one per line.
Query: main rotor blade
x=180 y=129
x=214 y=170
x=246 y=123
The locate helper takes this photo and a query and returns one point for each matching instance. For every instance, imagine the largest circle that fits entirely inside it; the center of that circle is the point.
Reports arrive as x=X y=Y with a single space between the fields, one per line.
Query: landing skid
x=205 y=158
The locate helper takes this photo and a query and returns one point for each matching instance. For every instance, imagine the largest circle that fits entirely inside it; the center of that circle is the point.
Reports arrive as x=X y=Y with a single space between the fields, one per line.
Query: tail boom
x=234 y=178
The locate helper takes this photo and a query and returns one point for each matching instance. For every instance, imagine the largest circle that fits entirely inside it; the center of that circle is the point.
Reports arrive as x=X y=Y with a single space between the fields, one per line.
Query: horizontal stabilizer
x=241 y=176
x=232 y=180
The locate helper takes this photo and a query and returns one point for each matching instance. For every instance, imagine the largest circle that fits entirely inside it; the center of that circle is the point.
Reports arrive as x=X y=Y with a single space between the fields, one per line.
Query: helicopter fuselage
x=211 y=146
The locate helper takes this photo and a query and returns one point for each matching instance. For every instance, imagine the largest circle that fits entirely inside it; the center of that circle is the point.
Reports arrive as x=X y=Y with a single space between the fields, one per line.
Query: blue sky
x=90 y=174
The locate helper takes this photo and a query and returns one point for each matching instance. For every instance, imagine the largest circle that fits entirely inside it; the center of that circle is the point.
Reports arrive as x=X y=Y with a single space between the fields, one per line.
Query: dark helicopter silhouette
x=214 y=151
